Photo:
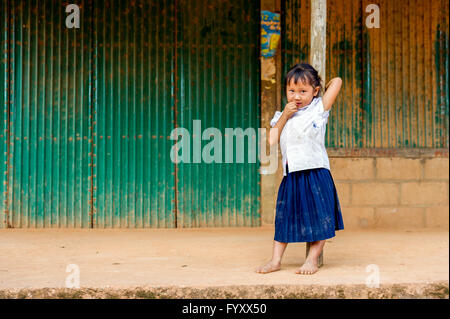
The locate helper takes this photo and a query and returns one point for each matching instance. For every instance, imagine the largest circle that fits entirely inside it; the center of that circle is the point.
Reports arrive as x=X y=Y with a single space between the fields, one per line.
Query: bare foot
x=269 y=267
x=308 y=268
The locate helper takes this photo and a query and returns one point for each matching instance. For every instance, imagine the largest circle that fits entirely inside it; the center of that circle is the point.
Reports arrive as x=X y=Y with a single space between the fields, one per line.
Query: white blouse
x=302 y=139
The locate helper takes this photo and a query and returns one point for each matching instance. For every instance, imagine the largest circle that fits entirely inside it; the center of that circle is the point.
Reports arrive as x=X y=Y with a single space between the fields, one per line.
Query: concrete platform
x=219 y=262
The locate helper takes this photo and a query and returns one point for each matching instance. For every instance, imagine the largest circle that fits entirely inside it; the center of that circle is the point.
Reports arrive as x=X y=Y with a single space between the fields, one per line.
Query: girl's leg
x=275 y=263
x=310 y=266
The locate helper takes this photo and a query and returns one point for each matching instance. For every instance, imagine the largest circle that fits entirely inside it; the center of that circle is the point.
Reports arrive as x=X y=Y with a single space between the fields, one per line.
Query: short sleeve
x=324 y=113
x=275 y=119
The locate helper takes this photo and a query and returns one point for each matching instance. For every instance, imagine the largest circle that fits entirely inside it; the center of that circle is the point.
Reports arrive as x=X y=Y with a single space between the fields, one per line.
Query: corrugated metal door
x=49 y=117
x=218 y=84
x=134 y=182
x=138 y=74
x=92 y=110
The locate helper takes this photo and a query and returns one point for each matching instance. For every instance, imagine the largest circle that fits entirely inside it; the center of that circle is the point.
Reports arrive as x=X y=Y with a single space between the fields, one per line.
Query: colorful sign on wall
x=270 y=33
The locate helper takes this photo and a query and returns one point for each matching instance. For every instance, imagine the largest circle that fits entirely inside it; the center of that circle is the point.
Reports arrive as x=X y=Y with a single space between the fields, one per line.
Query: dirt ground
x=219 y=262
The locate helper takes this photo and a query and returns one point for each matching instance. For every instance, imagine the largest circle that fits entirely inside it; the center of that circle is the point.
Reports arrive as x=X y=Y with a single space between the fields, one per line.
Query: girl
x=307 y=208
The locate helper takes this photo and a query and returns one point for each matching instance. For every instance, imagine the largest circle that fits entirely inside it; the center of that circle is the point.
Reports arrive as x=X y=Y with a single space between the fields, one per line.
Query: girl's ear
x=316 y=91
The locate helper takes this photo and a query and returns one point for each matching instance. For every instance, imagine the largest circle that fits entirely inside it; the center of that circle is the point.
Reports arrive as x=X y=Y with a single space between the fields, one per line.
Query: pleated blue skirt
x=307 y=207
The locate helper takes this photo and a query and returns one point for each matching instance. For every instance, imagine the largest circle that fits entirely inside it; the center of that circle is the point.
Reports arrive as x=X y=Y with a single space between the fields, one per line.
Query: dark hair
x=305 y=72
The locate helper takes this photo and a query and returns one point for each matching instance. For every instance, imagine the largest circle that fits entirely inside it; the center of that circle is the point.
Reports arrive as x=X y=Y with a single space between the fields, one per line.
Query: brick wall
x=392 y=192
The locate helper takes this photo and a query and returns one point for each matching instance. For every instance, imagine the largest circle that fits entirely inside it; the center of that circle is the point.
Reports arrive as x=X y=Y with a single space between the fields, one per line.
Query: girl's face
x=301 y=93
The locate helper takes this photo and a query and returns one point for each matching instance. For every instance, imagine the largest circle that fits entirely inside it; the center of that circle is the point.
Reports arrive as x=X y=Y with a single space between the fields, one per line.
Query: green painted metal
x=92 y=110
x=135 y=112
x=49 y=149
x=346 y=58
x=395 y=78
x=3 y=112
x=134 y=181
x=218 y=84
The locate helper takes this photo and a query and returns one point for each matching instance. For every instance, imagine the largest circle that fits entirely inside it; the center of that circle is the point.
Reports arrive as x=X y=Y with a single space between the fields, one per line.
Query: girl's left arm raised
x=331 y=92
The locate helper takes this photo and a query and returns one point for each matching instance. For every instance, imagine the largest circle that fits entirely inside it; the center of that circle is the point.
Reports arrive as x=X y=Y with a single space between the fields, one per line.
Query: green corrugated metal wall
x=92 y=110
x=345 y=59
x=395 y=78
x=49 y=117
x=218 y=72
x=4 y=111
x=134 y=111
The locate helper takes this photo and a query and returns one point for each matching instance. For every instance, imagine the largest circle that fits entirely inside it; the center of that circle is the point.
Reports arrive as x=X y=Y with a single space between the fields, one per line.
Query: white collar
x=314 y=101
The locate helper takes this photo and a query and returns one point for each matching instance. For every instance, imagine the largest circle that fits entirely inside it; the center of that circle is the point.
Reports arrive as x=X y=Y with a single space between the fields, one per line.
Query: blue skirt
x=307 y=207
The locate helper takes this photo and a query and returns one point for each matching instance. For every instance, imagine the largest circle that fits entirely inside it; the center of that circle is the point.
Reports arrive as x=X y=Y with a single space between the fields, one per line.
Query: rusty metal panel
x=395 y=78
x=407 y=66
x=134 y=114
x=345 y=59
x=49 y=93
x=4 y=121
x=218 y=83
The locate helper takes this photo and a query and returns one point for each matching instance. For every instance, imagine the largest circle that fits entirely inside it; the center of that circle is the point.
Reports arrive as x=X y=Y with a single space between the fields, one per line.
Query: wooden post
x=318 y=36
x=318 y=54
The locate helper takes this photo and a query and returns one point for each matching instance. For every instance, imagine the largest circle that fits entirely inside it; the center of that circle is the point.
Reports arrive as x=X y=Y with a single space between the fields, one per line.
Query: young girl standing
x=307 y=208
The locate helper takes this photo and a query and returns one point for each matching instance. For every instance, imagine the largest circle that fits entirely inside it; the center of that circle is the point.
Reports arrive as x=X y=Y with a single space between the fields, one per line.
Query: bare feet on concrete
x=311 y=264
x=308 y=268
x=269 y=267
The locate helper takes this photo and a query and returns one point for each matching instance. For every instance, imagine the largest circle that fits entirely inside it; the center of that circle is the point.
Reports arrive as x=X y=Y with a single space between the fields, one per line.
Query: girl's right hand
x=290 y=109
